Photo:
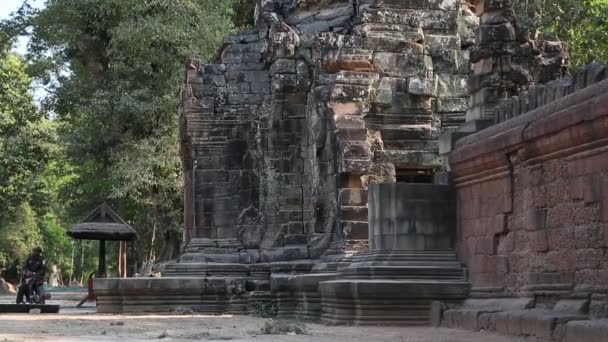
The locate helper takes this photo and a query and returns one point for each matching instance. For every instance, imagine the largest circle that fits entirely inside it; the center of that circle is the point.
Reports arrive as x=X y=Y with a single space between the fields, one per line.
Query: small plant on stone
x=266 y=310
x=279 y=327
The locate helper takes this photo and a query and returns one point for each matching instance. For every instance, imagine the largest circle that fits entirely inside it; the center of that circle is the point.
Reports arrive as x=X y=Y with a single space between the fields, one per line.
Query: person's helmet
x=37 y=249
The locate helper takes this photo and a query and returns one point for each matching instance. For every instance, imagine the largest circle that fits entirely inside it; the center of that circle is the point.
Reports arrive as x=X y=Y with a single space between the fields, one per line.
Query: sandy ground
x=86 y=325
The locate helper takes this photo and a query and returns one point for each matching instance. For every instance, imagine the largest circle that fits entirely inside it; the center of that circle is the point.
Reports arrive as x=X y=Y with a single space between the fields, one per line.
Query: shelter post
x=101 y=271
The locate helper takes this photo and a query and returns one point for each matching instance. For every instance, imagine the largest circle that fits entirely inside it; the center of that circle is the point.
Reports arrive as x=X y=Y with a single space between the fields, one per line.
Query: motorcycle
x=34 y=286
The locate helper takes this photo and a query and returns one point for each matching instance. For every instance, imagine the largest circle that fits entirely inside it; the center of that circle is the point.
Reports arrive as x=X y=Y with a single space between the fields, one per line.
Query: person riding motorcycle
x=32 y=274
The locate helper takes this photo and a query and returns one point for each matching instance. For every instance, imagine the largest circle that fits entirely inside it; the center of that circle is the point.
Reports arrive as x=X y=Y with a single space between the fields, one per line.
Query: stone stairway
x=406 y=265
x=199 y=269
x=392 y=288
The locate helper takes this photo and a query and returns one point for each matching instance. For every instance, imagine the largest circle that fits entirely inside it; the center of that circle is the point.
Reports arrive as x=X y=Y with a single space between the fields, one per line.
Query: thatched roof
x=102 y=231
x=103 y=223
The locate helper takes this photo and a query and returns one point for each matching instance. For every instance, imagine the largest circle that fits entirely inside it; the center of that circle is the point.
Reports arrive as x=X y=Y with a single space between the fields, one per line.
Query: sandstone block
x=357 y=78
x=435 y=43
x=446 y=61
x=451 y=86
x=402 y=65
x=283 y=66
x=449 y=5
x=386 y=32
x=239 y=87
x=588 y=331
x=324 y=25
x=337 y=10
x=285 y=254
x=390 y=44
x=260 y=87
x=422 y=86
x=492 y=33
x=352 y=196
x=452 y=104
x=535 y=219
x=349 y=93
x=295 y=239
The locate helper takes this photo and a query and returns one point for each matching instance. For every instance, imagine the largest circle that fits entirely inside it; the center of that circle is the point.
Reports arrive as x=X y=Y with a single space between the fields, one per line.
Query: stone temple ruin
x=389 y=162
x=284 y=132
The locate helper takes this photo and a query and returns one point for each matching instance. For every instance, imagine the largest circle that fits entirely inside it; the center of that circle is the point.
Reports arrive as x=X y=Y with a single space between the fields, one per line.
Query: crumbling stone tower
x=282 y=132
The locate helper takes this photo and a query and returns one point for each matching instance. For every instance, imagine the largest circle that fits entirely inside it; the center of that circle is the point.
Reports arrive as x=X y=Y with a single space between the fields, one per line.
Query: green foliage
x=57 y=247
x=244 y=13
x=582 y=23
x=31 y=173
x=114 y=69
x=18 y=234
x=25 y=138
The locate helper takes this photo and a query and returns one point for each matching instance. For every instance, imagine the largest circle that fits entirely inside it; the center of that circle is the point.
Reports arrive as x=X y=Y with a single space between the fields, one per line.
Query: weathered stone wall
x=284 y=130
x=532 y=197
x=506 y=59
x=541 y=94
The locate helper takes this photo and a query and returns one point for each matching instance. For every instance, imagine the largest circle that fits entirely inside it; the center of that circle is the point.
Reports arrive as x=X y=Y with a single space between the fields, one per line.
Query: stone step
x=408 y=118
x=397 y=289
x=405 y=257
x=409 y=263
x=185 y=274
x=355 y=77
x=375 y=315
x=417 y=145
x=417 y=4
x=386 y=301
x=203 y=269
x=405 y=272
x=373 y=321
x=406 y=132
x=389 y=312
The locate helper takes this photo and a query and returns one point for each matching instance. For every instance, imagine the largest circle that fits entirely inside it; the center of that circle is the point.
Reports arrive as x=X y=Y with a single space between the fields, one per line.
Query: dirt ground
x=86 y=325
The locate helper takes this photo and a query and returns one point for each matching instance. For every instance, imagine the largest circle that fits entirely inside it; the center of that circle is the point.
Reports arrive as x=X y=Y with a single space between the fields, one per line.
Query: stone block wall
x=284 y=130
x=532 y=198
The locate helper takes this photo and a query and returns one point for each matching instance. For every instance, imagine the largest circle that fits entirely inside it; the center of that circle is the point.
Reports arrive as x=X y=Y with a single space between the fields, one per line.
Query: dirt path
x=86 y=325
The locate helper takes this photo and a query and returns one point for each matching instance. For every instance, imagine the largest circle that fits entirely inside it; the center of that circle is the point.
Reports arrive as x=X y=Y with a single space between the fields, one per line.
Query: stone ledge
x=515 y=317
x=582 y=106
x=587 y=331
x=540 y=95
x=447 y=141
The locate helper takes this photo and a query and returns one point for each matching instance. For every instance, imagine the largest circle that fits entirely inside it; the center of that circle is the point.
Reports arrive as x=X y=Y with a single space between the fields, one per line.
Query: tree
x=19 y=232
x=581 y=23
x=29 y=172
x=115 y=73
x=25 y=138
x=244 y=13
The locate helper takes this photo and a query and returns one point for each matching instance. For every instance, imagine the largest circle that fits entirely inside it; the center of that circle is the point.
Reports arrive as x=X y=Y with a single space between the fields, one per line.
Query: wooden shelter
x=104 y=224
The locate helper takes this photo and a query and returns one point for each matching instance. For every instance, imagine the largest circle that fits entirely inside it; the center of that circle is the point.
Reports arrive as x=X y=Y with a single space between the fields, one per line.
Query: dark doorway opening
x=423 y=176
x=349 y=181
